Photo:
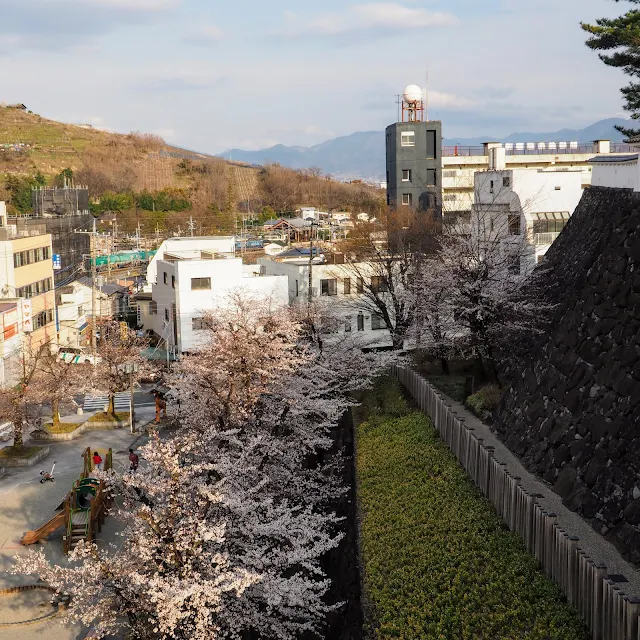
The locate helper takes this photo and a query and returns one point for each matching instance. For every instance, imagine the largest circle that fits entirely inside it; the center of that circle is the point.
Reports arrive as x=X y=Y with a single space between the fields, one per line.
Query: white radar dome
x=412 y=94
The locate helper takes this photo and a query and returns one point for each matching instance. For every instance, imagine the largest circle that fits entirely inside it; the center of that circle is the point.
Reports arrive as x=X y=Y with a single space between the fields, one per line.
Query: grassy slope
x=438 y=561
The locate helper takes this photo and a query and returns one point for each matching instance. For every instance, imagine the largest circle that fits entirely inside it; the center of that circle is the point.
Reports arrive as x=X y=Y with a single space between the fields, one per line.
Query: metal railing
x=609 y=613
x=547 y=237
x=526 y=149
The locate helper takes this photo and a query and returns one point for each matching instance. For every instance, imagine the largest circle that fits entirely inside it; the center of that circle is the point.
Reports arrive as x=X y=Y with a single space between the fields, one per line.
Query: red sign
x=10 y=331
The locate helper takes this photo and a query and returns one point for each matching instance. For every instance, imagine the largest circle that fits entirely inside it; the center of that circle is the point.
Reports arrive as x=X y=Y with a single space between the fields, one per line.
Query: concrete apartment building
x=460 y=164
x=340 y=286
x=524 y=206
x=194 y=277
x=27 y=299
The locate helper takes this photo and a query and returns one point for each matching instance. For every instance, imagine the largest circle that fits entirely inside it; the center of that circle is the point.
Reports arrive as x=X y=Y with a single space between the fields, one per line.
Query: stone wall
x=573 y=410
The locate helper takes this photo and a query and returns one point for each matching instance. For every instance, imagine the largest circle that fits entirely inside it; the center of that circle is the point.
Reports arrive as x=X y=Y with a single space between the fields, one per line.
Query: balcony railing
x=535 y=149
x=11 y=232
x=546 y=237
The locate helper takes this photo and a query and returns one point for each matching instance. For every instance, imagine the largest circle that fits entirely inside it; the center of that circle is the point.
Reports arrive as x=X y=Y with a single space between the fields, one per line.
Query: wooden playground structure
x=83 y=510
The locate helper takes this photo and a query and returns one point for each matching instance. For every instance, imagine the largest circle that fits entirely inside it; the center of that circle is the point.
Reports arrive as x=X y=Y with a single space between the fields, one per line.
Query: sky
x=211 y=75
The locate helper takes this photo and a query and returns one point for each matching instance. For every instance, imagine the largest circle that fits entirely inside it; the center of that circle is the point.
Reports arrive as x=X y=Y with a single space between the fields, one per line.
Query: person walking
x=134 y=460
x=97 y=460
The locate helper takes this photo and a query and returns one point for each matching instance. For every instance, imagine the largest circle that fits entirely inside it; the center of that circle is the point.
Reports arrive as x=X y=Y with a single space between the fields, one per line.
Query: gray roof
x=107 y=288
x=630 y=157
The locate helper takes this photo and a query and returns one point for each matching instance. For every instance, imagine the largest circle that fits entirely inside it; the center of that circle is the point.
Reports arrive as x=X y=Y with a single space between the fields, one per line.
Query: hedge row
x=438 y=562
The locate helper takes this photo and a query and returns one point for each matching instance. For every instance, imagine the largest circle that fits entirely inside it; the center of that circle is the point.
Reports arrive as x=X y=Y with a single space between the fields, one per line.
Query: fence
x=608 y=612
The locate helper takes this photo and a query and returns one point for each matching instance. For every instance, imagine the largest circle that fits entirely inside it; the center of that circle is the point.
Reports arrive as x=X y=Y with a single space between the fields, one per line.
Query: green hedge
x=438 y=562
x=485 y=401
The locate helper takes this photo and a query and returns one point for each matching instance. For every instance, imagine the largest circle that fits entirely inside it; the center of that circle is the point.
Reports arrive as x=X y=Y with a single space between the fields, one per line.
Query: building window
x=448 y=197
x=173 y=282
x=431 y=177
x=297 y=288
x=166 y=315
x=29 y=256
x=165 y=277
x=42 y=319
x=506 y=181
x=449 y=174
x=360 y=285
x=558 y=188
x=491 y=187
x=379 y=284
x=200 y=284
x=408 y=138
x=154 y=308
x=360 y=322
x=514 y=224
x=548 y=226
x=346 y=283
x=34 y=289
x=377 y=322
x=199 y=324
x=406 y=175
x=347 y=324
x=407 y=199
x=329 y=287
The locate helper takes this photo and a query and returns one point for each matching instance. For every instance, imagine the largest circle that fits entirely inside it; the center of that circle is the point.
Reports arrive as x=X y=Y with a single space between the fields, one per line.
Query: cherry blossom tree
x=58 y=380
x=15 y=401
x=227 y=518
x=117 y=346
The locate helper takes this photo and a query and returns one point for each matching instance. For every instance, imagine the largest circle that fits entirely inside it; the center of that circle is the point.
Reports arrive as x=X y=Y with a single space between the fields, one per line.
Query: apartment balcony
x=547 y=237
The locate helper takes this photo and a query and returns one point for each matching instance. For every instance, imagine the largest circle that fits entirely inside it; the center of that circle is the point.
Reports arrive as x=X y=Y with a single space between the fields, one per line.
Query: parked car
x=77 y=356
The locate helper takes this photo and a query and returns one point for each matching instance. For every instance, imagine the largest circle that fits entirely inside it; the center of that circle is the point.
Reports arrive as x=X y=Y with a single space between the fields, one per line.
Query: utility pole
x=310 y=292
x=94 y=275
x=192 y=225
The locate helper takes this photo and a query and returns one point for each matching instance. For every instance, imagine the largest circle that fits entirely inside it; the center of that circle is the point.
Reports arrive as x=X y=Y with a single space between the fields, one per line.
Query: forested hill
x=148 y=181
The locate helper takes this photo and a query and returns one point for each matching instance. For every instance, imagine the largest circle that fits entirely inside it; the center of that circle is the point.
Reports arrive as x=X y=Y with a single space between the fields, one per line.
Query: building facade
x=414 y=165
x=460 y=164
x=524 y=206
x=188 y=287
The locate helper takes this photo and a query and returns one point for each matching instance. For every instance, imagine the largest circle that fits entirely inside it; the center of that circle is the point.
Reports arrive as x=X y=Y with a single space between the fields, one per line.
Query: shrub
x=106 y=417
x=19 y=452
x=438 y=562
x=485 y=401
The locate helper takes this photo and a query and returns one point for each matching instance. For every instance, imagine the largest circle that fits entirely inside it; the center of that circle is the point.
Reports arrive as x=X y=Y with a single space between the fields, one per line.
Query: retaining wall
x=597 y=595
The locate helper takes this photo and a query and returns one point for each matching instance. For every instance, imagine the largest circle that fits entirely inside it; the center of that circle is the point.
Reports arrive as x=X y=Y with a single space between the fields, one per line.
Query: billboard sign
x=57 y=261
x=27 y=316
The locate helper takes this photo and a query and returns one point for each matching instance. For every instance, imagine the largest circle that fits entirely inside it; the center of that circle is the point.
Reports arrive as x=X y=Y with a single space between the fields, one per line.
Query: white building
x=532 y=206
x=341 y=288
x=460 y=164
x=220 y=245
x=190 y=284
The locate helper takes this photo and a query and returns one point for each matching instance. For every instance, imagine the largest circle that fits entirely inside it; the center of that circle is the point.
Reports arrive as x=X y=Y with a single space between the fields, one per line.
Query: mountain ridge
x=361 y=154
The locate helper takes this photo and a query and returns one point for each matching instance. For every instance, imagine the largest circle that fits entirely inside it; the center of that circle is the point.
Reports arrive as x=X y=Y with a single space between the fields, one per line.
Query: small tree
x=59 y=381
x=15 y=401
x=118 y=346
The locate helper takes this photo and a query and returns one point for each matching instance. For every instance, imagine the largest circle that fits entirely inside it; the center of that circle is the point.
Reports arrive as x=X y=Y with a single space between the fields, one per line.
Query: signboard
x=57 y=261
x=10 y=317
x=27 y=319
x=10 y=331
x=81 y=321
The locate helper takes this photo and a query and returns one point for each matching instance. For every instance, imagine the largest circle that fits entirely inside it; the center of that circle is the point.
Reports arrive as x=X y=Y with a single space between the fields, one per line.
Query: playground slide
x=32 y=537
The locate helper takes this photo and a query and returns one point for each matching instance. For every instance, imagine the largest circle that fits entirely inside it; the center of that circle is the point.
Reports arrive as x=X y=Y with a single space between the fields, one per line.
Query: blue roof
x=299 y=251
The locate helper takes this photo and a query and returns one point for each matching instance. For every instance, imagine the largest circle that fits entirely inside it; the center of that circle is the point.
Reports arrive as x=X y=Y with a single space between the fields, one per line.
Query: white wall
x=226 y=277
x=216 y=244
x=620 y=175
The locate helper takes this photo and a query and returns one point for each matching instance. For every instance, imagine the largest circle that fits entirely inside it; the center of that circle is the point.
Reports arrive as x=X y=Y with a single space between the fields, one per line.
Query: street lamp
x=130 y=368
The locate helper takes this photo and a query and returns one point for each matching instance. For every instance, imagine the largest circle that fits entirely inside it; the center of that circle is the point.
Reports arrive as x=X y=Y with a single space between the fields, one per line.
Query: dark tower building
x=414 y=157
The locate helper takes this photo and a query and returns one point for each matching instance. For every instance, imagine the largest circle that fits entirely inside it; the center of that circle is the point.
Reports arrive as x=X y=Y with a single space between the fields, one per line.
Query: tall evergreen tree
x=621 y=37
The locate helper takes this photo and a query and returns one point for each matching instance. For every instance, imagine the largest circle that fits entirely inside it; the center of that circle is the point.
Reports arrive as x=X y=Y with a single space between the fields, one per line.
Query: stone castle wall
x=573 y=411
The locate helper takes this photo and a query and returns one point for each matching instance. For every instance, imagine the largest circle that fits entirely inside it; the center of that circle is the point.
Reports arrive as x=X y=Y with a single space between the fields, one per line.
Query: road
x=25 y=504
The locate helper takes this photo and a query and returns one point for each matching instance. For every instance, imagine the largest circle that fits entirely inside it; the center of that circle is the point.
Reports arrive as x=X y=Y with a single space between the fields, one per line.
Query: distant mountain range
x=361 y=154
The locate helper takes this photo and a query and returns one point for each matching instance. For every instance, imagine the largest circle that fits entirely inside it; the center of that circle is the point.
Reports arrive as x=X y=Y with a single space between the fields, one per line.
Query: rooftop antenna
x=398 y=103
x=426 y=98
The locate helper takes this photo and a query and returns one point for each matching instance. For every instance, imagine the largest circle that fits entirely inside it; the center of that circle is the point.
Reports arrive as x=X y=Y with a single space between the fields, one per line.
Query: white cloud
x=442 y=100
x=381 y=18
x=206 y=35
